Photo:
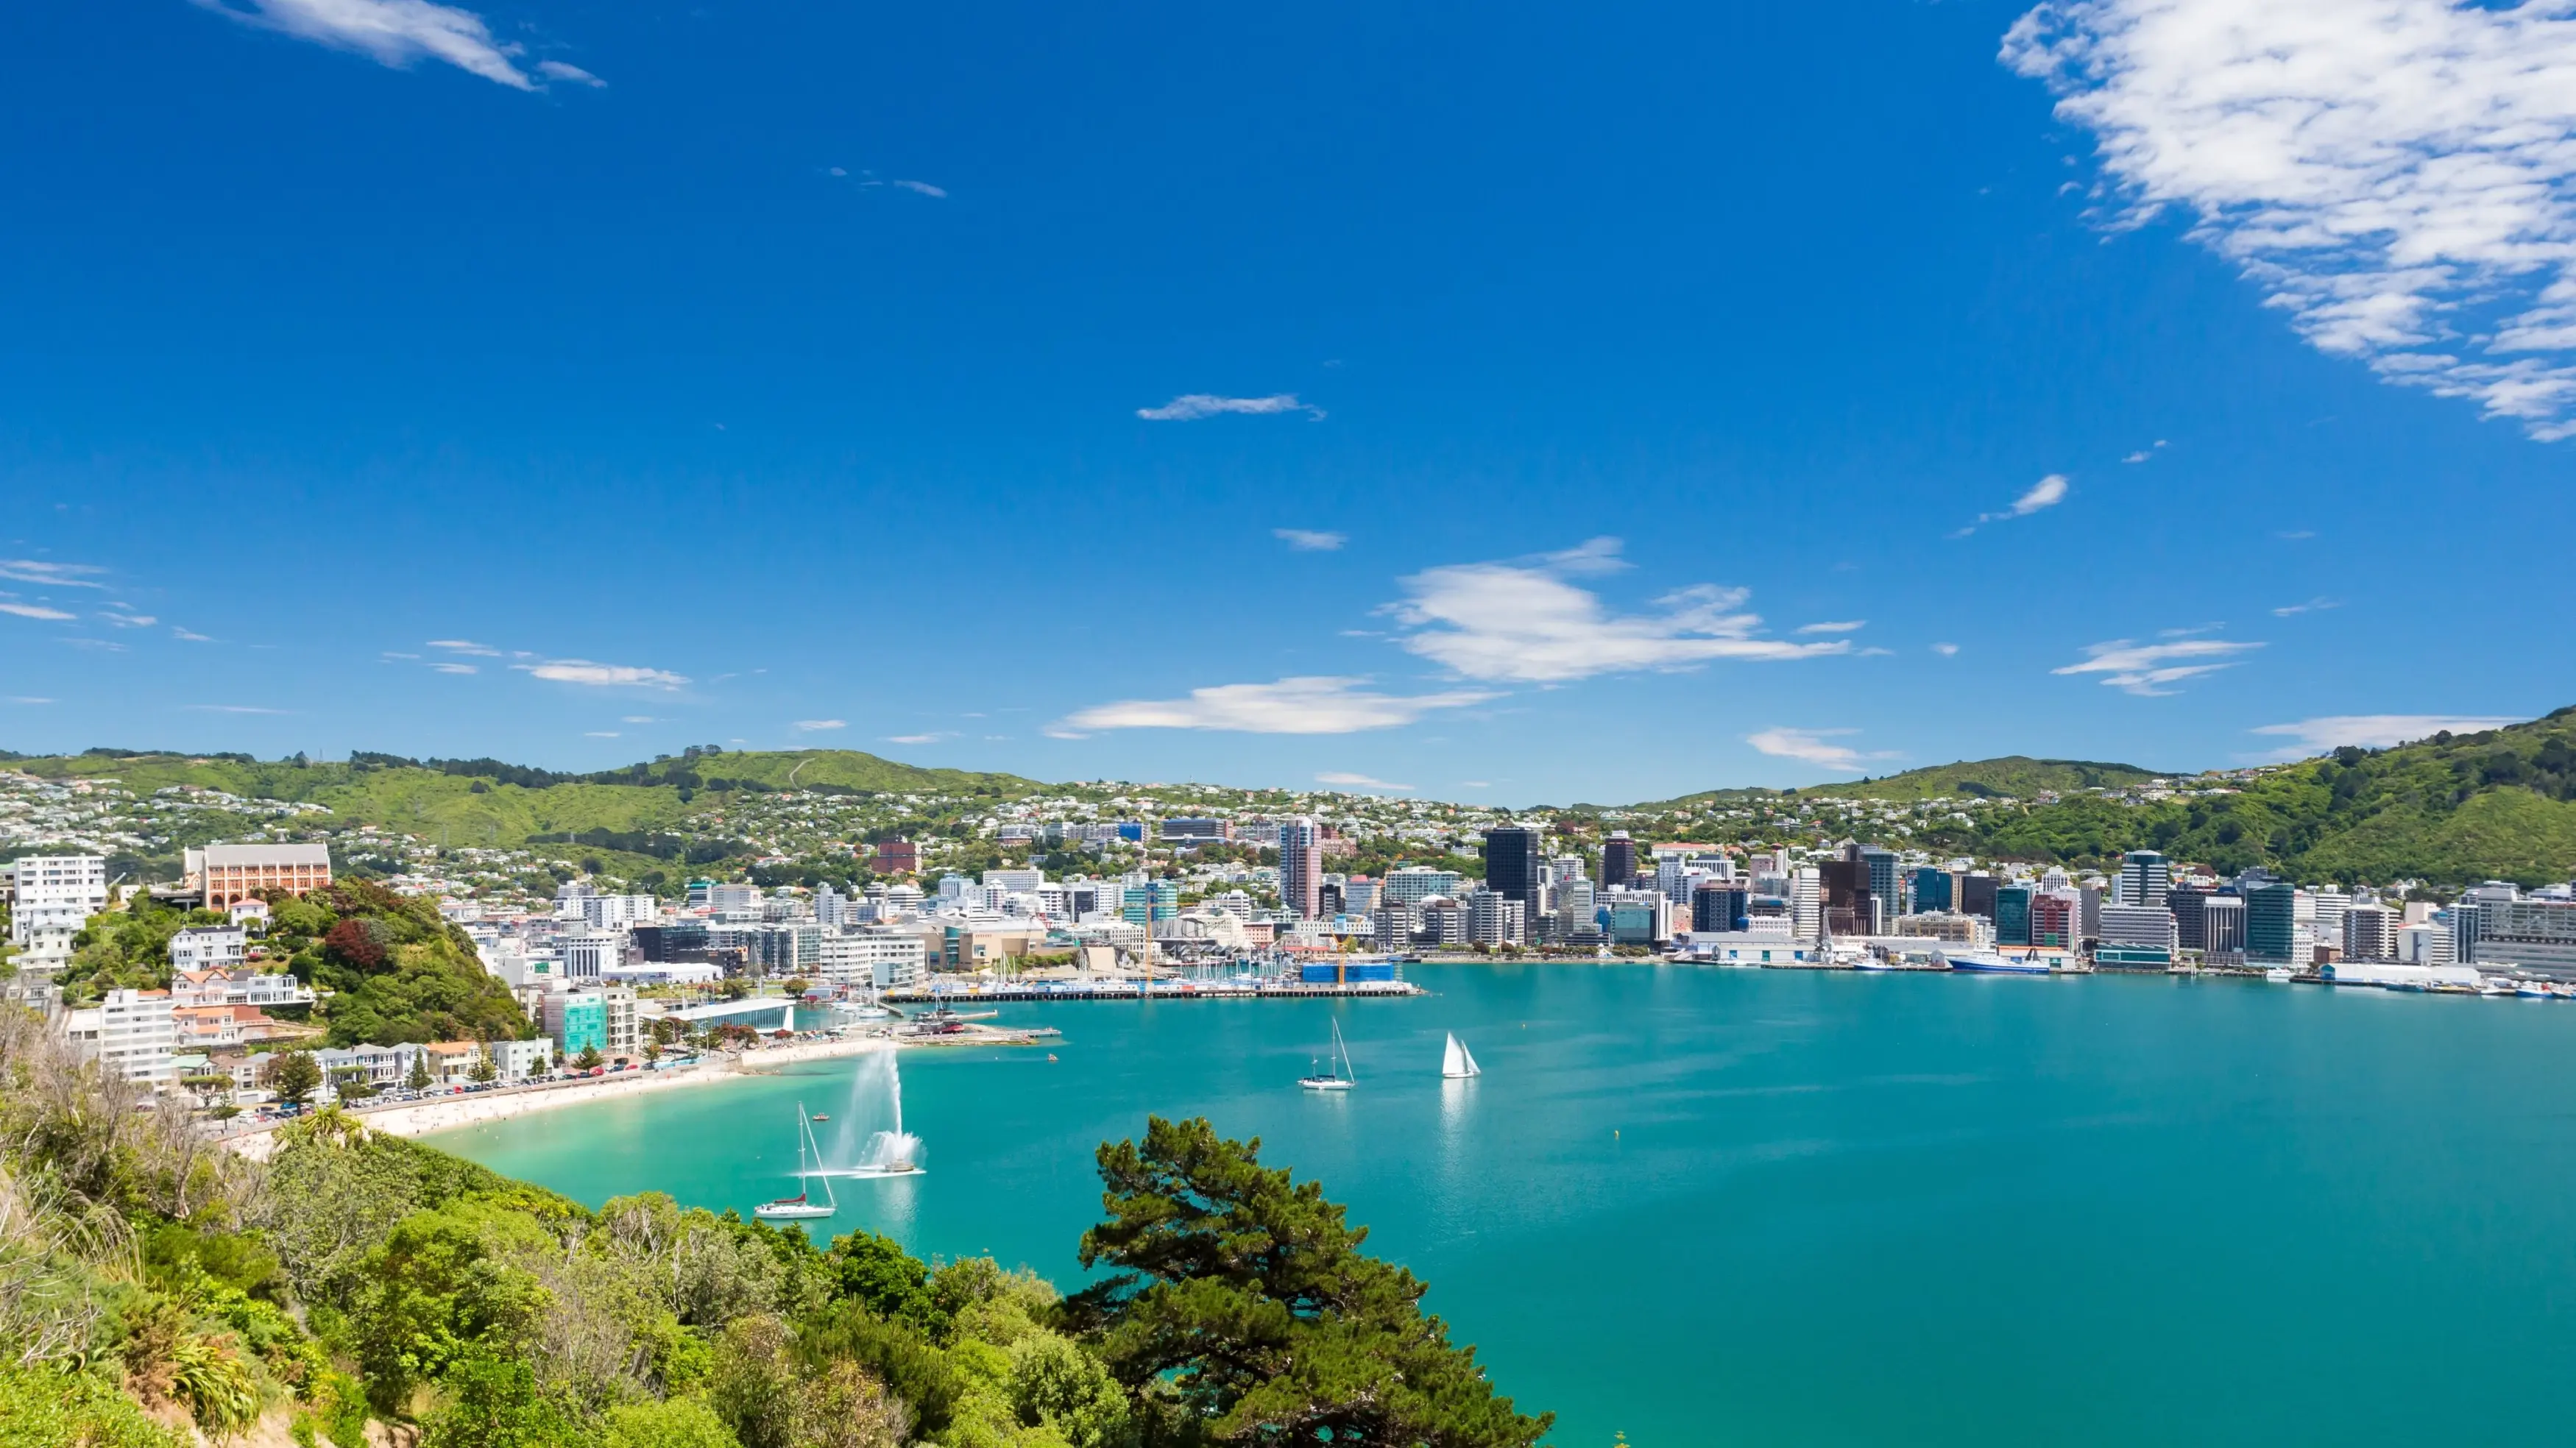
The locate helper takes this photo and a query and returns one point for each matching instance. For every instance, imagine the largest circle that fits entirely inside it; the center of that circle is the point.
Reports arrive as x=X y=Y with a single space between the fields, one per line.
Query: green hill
x=489 y=802
x=2452 y=809
x=2014 y=776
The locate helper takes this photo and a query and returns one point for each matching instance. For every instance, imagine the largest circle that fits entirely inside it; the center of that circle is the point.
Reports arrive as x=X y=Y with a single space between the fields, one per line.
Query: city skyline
x=1529 y=412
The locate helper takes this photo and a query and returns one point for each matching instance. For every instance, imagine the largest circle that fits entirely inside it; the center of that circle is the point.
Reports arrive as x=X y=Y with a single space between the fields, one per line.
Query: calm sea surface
x=1797 y=1208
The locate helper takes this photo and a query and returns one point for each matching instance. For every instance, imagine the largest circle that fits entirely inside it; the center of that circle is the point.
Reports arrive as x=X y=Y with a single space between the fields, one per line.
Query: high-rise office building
x=1847 y=899
x=2188 y=902
x=2369 y=933
x=1719 y=906
x=2144 y=879
x=1516 y=865
x=1928 y=891
x=2222 y=928
x=1977 y=894
x=1301 y=866
x=2012 y=915
x=2271 y=922
x=1618 y=860
x=1883 y=891
x=2056 y=919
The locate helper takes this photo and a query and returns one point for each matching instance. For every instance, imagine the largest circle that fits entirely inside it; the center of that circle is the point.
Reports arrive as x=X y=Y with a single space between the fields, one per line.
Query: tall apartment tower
x=1301 y=866
x=1618 y=860
x=1516 y=866
x=2144 y=879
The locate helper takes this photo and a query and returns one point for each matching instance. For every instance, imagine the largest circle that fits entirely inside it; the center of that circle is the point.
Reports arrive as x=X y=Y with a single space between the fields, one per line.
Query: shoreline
x=423 y=1118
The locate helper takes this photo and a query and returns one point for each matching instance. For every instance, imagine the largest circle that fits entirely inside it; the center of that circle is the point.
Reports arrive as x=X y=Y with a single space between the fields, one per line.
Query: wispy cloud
x=599 y=734
x=558 y=70
x=57 y=575
x=611 y=676
x=2144 y=454
x=232 y=709
x=1360 y=781
x=398 y=33
x=2313 y=605
x=1946 y=650
x=1846 y=626
x=455 y=668
x=31 y=610
x=2144 y=669
x=1190 y=407
x=1309 y=540
x=637 y=719
x=915 y=738
x=920 y=188
x=177 y=632
x=1308 y=705
x=465 y=646
x=28 y=699
x=2395 y=174
x=1523 y=621
x=1813 y=746
x=2048 y=492
x=2371 y=731
x=809 y=726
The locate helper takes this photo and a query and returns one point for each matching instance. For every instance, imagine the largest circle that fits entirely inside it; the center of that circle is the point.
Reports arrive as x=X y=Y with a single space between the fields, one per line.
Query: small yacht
x=1456 y=1064
x=809 y=1161
x=1336 y=1074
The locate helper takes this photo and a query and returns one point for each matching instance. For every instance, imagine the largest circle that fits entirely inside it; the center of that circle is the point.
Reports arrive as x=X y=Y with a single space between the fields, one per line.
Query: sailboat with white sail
x=1336 y=1074
x=1455 y=1063
x=809 y=1162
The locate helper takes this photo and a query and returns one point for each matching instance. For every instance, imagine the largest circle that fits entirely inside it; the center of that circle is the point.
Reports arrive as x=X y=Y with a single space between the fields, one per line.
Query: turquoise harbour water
x=1805 y=1208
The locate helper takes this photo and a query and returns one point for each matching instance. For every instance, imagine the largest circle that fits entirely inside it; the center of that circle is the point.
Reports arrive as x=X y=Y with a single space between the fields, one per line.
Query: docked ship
x=1996 y=964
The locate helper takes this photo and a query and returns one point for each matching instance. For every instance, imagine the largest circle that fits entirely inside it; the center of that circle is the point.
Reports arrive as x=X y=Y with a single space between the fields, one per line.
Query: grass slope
x=2015 y=775
x=467 y=810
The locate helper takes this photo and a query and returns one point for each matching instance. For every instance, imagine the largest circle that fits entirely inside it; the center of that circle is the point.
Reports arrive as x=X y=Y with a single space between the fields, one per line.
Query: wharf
x=1159 y=991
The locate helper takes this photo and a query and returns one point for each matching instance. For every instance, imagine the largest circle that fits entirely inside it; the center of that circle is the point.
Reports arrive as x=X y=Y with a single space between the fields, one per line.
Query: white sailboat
x=809 y=1160
x=1337 y=1074
x=1456 y=1064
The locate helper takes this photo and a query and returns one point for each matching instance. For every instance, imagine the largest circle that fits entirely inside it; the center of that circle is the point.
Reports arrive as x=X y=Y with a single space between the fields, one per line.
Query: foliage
x=49 y=1407
x=293 y=1076
x=396 y=969
x=1251 y=1292
x=669 y=1423
x=2014 y=776
x=126 y=949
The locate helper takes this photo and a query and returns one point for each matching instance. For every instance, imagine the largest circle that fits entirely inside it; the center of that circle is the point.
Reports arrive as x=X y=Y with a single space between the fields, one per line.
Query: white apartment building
x=1413 y=884
x=131 y=1034
x=606 y=912
x=53 y=897
x=237 y=988
x=878 y=957
x=587 y=954
x=208 y=947
x=516 y=1061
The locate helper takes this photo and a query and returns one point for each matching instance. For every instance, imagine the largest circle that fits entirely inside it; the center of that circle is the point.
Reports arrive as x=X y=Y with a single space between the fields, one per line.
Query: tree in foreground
x=294 y=1076
x=1249 y=1294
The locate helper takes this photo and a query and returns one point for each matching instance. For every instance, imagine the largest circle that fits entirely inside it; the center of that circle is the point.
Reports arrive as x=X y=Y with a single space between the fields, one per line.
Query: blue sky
x=1509 y=402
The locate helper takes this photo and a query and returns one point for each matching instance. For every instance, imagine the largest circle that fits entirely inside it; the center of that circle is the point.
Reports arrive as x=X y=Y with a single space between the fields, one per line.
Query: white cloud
x=396 y=33
x=130 y=620
x=1523 y=621
x=1309 y=540
x=557 y=70
x=1811 y=746
x=58 y=575
x=637 y=719
x=231 y=709
x=1192 y=406
x=394 y=654
x=29 y=699
x=2372 y=731
x=2135 y=457
x=1946 y=650
x=1310 y=705
x=1847 y=626
x=1359 y=781
x=2048 y=492
x=2313 y=605
x=811 y=725
x=922 y=188
x=195 y=638
x=599 y=734
x=914 y=738
x=455 y=668
x=583 y=671
x=2143 y=669
x=2397 y=175
x=465 y=646
x=30 y=610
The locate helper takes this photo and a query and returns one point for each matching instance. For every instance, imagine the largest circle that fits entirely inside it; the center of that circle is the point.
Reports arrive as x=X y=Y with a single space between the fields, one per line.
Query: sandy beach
x=420 y=1118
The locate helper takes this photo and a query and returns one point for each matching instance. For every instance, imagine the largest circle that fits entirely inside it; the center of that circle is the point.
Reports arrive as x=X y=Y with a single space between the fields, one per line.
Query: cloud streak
x=30 y=610
x=1340 y=780
x=810 y=726
x=1813 y=746
x=1313 y=704
x=1190 y=407
x=2145 y=669
x=2048 y=492
x=399 y=33
x=1524 y=622
x=2372 y=731
x=1309 y=540
x=604 y=676
x=2399 y=176
x=56 y=575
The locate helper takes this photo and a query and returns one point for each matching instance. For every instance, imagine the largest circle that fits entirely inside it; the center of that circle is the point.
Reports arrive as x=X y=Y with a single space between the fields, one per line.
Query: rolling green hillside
x=2453 y=810
x=2014 y=776
x=476 y=802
